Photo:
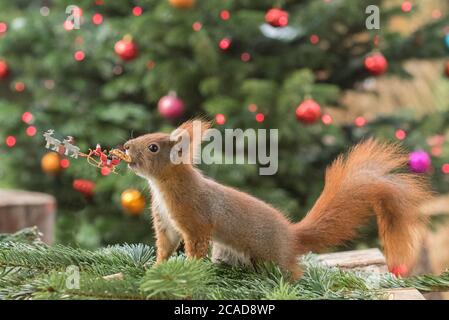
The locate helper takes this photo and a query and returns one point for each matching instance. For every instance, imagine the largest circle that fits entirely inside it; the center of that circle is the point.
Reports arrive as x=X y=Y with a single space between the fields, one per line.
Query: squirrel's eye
x=153 y=148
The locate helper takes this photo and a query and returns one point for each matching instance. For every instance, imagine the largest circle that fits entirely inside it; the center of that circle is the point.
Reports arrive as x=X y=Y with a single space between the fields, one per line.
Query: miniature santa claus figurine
x=97 y=150
x=112 y=161
x=109 y=161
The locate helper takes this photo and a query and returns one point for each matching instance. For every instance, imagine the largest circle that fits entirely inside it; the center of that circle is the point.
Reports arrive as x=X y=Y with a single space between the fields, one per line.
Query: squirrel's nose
x=126 y=146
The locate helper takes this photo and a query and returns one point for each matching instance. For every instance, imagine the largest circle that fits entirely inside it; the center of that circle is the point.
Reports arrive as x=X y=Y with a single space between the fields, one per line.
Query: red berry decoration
x=309 y=111
x=85 y=187
x=170 y=107
x=4 y=70
x=376 y=64
x=105 y=171
x=399 y=271
x=225 y=44
x=220 y=119
x=126 y=49
x=276 y=17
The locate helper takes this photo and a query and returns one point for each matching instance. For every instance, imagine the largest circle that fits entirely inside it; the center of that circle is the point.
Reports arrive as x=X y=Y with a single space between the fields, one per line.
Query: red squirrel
x=243 y=229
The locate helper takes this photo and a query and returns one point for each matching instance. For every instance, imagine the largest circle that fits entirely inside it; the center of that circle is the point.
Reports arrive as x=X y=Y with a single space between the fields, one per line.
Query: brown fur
x=187 y=205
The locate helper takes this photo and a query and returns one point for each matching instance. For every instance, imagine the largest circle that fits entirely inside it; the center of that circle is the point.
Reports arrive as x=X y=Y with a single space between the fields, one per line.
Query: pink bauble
x=419 y=161
x=170 y=107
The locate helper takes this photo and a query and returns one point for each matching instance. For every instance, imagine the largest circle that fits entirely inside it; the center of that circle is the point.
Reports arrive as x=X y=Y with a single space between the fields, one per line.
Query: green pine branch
x=34 y=270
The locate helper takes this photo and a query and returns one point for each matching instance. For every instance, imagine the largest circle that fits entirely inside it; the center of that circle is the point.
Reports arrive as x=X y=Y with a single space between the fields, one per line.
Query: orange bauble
x=133 y=201
x=182 y=4
x=51 y=163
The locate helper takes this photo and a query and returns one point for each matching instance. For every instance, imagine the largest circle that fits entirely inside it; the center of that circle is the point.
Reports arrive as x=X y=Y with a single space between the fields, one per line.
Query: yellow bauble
x=51 y=163
x=133 y=201
x=182 y=4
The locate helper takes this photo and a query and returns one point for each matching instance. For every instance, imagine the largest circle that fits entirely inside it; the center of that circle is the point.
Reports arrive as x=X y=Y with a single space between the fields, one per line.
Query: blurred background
x=103 y=71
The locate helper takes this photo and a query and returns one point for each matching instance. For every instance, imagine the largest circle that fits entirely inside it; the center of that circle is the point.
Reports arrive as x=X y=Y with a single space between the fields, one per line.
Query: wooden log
x=369 y=260
x=21 y=209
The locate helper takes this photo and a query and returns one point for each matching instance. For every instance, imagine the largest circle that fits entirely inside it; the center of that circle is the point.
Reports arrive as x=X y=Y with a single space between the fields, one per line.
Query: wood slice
x=405 y=294
x=370 y=260
x=361 y=260
x=21 y=209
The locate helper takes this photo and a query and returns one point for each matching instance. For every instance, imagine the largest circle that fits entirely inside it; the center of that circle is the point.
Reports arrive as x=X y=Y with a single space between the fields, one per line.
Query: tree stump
x=21 y=209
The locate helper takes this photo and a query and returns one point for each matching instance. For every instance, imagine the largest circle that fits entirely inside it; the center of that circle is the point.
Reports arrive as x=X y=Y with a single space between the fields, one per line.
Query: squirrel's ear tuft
x=191 y=132
x=194 y=128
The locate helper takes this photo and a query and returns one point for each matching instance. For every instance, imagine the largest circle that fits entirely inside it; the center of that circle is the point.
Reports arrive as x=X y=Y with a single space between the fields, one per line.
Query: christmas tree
x=104 y=71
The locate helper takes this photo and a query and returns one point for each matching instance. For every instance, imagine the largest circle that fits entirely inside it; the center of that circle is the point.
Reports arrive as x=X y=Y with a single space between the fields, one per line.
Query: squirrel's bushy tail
x=362 y=184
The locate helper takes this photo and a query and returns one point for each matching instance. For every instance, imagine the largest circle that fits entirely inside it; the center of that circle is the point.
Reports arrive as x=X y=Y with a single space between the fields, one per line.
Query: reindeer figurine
x=51 y=141
x=69 y=147
x=96 y=157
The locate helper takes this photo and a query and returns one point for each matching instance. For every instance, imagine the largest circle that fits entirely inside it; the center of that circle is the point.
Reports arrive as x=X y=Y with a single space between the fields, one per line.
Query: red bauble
x=126 y=49
x=376 y=64
x=309 y=111
x=4 y=70
x=86 y=187
x=276 y=17
x=399 y=271
x=446 y=69
x=170 y=107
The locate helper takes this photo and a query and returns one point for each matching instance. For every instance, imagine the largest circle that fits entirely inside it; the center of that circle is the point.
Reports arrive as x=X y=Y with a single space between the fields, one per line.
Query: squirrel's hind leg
x=295 y=272
x=196 y=247
x=229 y=256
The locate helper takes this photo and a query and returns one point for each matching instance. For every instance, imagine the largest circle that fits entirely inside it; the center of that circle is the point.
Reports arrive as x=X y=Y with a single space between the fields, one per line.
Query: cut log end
x=22 y=209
